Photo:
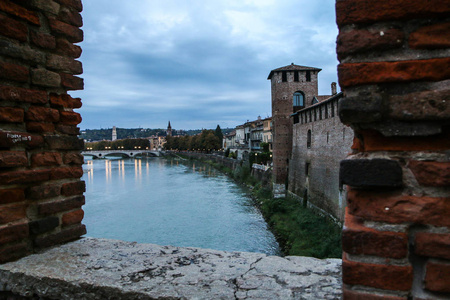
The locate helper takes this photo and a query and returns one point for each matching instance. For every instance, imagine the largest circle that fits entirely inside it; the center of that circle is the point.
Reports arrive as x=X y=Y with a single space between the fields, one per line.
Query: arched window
x=308 y=140
x=299 y=99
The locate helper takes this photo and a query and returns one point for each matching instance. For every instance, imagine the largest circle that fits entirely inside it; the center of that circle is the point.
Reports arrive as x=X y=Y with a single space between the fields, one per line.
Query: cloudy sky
x=197 y=63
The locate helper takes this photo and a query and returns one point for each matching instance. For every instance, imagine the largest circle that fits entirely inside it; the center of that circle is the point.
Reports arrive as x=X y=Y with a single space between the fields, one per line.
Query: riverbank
x=299 y=230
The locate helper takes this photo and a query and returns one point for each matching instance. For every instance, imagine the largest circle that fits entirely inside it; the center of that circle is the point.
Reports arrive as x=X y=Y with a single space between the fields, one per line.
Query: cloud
x=196 y=63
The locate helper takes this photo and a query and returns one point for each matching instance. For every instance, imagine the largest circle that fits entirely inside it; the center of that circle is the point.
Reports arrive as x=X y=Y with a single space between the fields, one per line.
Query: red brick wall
x=395 y=73
x=40 y=162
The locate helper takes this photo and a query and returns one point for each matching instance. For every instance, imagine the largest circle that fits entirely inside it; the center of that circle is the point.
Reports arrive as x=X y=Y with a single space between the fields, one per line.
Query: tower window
x=299 y=99
x=308 y=75
x=284 y=76
x=308 y=139
x=296 y=76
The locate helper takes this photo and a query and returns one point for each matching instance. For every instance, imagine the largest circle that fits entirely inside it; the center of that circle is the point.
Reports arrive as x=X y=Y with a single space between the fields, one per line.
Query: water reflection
x=171 y=203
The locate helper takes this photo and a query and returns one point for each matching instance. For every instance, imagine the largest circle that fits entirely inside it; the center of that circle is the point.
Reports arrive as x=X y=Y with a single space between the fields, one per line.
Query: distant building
x=169 y=130
x=114 y=133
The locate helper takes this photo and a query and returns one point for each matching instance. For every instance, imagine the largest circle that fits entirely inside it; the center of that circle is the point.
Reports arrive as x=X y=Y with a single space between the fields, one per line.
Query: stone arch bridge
x=124 y=153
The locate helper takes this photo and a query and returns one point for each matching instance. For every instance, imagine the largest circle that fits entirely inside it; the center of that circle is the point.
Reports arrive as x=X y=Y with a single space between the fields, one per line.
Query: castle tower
x=293 y=88
x=169 y=130
x=114 y=133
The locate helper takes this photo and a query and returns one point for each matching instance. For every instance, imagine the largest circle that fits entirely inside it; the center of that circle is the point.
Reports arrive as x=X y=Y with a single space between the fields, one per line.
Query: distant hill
x=92 y=135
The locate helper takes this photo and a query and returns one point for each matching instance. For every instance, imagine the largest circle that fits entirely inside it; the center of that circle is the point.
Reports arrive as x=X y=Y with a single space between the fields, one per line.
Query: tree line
x=207 y=140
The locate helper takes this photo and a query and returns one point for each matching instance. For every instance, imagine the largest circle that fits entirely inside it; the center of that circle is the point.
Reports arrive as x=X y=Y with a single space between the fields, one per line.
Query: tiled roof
x=293 y=67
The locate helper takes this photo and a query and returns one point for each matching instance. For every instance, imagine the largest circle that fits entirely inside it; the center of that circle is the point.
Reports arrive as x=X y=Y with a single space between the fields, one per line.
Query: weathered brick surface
x=354 y=295
x=65 y=235
x=11 y=115
x=371 y=173
x=361 y=240
x=431 y=173
x=431 y=37
x=11 y=195
x=73 y=217
x=433 y=245
x=39 y=148
x=12 y=159
x=388 y=277
x=438 y=277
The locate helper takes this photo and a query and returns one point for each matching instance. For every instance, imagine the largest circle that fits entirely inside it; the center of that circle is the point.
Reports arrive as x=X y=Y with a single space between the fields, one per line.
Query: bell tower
x=169 y=130
x=293 y=88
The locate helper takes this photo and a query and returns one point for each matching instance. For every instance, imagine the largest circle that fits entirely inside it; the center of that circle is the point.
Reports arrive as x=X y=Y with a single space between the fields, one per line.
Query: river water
x=171 y=202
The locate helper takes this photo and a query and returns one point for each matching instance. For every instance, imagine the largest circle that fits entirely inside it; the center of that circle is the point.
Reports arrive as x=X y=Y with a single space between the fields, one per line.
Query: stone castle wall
x=314 y=166
x=394 y=71
x=40 y=163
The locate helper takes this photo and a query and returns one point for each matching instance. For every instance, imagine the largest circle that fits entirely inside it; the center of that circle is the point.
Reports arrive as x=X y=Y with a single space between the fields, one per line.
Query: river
x=171 y=202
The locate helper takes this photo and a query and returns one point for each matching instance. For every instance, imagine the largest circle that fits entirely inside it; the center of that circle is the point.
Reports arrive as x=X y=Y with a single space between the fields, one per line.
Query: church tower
x=293 y=87
x=114 y=133
x=169 y=130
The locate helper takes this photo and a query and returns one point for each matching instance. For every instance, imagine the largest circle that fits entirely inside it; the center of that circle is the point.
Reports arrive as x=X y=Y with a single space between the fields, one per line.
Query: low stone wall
x=109 y=269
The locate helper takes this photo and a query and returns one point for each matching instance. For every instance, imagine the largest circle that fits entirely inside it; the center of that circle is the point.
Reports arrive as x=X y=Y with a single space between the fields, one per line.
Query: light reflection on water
x=171 y=203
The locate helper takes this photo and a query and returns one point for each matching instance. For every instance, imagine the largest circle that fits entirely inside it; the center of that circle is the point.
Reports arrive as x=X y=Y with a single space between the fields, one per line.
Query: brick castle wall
x=314 y=170
x=394 y=71
x=40 y=162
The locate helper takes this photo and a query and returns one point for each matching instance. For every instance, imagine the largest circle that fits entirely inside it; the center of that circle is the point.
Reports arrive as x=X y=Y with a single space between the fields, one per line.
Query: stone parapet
x=109 y=269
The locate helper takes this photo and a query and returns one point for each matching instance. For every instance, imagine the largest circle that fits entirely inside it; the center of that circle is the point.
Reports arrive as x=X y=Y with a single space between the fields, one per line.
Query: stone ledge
x=109 y=269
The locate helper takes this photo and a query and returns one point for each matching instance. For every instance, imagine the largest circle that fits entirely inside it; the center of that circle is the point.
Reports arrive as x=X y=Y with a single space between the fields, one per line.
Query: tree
x=218 y=133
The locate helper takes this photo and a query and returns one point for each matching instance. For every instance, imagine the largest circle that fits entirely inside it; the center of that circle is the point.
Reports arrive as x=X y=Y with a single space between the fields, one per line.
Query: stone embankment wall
x=394 y=71
x=40 y=163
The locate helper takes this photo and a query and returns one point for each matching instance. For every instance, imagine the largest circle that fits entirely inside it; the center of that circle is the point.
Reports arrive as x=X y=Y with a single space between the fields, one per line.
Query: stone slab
x=109 y=269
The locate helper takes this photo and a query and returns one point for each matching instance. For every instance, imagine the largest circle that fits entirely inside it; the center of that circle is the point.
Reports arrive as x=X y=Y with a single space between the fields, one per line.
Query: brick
x=13 y=138
x=437 y=277
x=433 y=245
x=65 y=235
x=431 y=173
x=67 y=172
x=13 y=72
x=46 y=159
x=11 y=196
x=353 y=74
x=393 y=208
x=40 y=127
x=56 y=142
x=13 y=232
x=71 y=82
x=11 y=115
x=72 y=158
x=21 y=177
x=64 y=100
x=360 y=240
x=375 y=141
x=10 y=93
x=19 y=11
x=72 y=33
x=363 y=40
x=359 y=295
x=73 y=217
x=13 y=159
x=71 y=17
x=43 y=40
x=53 y=207
x=45 y=78
x=12 y=252
x=73 y=188
x=43 y=225
x=370 y=173
x=431 y=37
x=76 y=4
x=42 y=114
x=61 y=63
x=386 y=277
x=424 y=105
x=43 y=191
x=70 y=118
x=67 y=129
x=13 y=29
x=46 y=6
x=361 y=109
x=368 y=11
x=16 y=50
x=64 y=47
x=11 y=213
